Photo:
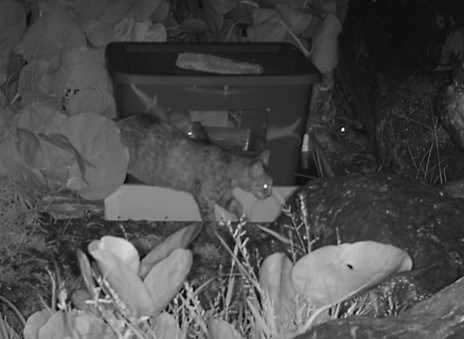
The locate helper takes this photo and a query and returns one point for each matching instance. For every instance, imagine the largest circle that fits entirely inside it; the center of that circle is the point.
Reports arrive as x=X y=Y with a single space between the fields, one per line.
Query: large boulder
x=410 y=214
x=440 y=317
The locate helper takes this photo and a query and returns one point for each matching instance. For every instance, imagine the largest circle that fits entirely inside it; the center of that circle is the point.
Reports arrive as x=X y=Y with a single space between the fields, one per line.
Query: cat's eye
x=266 y=186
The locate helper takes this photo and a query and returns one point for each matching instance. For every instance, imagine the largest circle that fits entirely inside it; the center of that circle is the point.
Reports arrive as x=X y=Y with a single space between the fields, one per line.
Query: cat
x=162 y=155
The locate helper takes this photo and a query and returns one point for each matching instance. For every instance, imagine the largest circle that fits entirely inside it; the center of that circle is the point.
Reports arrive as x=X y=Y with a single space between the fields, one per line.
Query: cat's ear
x=264 y=156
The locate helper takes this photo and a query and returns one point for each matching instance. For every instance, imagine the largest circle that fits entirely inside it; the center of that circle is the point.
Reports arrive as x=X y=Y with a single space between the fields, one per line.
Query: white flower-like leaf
x=120 y=247
x=332 y=274
x=166 y=278
x=180 y=239
x=119 y=263
x=127 y=284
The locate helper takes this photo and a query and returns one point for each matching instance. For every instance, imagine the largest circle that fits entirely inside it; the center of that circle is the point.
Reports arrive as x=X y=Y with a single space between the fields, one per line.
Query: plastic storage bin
x=243 y=112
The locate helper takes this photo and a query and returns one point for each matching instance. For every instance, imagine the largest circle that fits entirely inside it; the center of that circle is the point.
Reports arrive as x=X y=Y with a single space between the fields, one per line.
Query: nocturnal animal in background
x=162 y=155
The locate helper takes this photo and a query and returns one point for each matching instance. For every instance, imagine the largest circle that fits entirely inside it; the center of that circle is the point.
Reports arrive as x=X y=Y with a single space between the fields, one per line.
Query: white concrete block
x=141 y=202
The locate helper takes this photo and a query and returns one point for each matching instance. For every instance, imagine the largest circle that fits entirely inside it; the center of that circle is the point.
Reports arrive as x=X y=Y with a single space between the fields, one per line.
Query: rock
x=410 y=138
x=450 y=106
x=409 y=214
x=440 y=317
x=454 y=188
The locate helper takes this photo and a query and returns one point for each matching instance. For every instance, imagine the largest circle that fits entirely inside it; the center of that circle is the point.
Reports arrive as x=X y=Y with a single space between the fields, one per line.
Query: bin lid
x=151 y=62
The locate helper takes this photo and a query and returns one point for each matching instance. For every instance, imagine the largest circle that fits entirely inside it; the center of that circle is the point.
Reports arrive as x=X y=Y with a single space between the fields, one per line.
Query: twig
x=435 y=135
x=306 y=53
x=417 y=122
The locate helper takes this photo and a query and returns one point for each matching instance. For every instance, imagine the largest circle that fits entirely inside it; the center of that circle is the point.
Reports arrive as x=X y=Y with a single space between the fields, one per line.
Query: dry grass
x=240 y=302
x=18 y=221
x=18 y=215
x=428 y=165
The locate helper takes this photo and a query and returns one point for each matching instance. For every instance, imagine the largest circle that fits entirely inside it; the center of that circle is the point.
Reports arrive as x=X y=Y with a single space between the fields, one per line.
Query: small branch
x=297 y=40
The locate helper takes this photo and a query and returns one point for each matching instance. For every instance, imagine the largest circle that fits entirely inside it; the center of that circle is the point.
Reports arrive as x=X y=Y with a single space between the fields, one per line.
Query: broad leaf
x=4 y=62
x=86 y=146
x=74 y=324
x=91 y=9
x=295 y=19
x=34 y=83
x=28 y=145
x=261 y=15
x=222 y=6
x=12 y=23
x=266 y=26
x=118 y=10
x=156 y=33
x=144 y=8
x=268 y=31
x=222 y=329
x=214 y=19
x=61 y=141
x=161 y=13
x=92 y=99
x=167 y=277
x=275 y=279
x=127 y=284
x=331 y=274
x=87 y=276
x=130 y=30
x=166 y=326
x=98 y=33
x=324 y=50
x=90 y=326
x=35 y=322
x=80 y=69
x=52 y=33
x=121 y=248
x=12 y=29
x=56 y=327
x=180 y=239
x=40 y=119
x=97 y=139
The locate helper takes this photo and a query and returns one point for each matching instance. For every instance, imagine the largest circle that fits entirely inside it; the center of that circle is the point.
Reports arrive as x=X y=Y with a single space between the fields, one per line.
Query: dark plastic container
x=254 y=111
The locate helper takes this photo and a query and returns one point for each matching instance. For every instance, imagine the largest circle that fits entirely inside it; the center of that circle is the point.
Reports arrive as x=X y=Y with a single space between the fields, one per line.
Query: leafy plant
x=286 y=299
x=12 y=28
x=331 y=274
x=59 y=136
x=453 y=47
x=126 y=297
x=83 y=150
x=64 y=73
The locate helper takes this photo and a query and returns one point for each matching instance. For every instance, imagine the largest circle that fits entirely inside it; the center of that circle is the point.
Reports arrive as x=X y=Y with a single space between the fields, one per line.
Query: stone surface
x=406 y=213
x=415 y=216
x=450 y=106
x=410 y=138
x=440 y=317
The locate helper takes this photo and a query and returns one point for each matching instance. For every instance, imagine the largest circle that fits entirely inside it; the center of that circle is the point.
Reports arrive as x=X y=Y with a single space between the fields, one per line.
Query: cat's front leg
x=206 y=208
x=231 y=204
x=207 y=214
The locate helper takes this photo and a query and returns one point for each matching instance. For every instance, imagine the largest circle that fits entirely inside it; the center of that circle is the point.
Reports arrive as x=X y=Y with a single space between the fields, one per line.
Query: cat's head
x=260 y=179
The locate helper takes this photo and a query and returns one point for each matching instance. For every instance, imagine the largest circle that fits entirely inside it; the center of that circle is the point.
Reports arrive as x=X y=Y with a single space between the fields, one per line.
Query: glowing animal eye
x=266 y=186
